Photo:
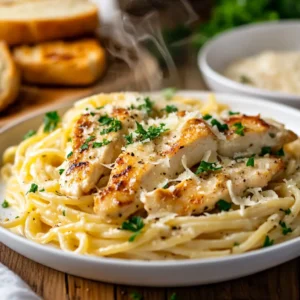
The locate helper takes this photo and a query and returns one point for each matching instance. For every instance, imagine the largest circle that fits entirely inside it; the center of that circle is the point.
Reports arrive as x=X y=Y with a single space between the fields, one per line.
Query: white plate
x=160 y=273
x=245 y=41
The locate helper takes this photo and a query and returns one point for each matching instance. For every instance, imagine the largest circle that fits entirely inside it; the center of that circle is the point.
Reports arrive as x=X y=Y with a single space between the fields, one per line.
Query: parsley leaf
x=239 y=128
x=147 y=106
x=280 y=152
x=61 y=171
x=151 y=133
x=170 y=108
x=232 y=113
x=90 y=138
x=84 y=146
x=250 y=161
x=42 y=190
x=207 y=117
x=223 y=205
x=70 y=154
x=286 y=211
x=92 y=113
x=114 y=124
x=29 y=134
x=268 y=242
x=134 y=224
x=33 y=188
x=207 y=166
x=129 y=139
x=105 y=120
x=101 y=144
x=64 y=213
x=51 y=121
x=136 y=296
x=285 y=229
x=221 y=127
x=169 y=93
x=5 y=204
x=265 y=150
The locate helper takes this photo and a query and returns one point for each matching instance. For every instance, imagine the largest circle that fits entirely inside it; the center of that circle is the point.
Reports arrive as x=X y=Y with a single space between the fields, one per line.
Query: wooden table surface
x=278 y=283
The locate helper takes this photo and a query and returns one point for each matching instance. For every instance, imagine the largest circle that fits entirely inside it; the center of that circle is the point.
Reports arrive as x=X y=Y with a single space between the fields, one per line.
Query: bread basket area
x=55 y=54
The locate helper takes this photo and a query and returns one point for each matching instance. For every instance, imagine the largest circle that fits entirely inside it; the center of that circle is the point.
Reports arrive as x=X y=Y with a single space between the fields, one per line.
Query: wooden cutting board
x=139 y=73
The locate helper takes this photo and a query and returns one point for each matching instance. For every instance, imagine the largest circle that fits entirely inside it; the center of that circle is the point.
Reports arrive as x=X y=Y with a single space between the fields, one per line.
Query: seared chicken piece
x=145 y=166
x=190 y=197
x=254 y=133
x=97 y=139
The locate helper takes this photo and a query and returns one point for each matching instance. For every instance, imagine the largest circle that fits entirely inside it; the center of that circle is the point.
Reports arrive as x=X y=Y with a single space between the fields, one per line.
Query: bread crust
x=10 y=78
x=16 y=32
x=74 y=63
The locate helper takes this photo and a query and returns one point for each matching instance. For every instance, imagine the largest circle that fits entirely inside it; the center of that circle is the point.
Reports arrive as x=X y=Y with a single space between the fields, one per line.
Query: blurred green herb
x=227 y=14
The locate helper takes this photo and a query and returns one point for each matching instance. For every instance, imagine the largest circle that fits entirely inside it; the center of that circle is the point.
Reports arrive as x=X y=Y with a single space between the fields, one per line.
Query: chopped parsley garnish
x=223 y=205
x=166 y=186
x=280 y=152
x=169 y=93
x=221 y=127
x=151 y=133
x=90 y=138
x=92 y=113
x=64 y=213
x=286 y=211
x=239 y=128
x=174 y=297
x=129 y=139
x=70 y=154
x=147 y=106
x=17 y=217
x=207 y=166
x=42 y=190
x=99 y=107
x=285 y=229
x=61 y=171
x=5 y=204
x=136 y=296
x=170 y=108
x=250 y=161
x=29 y=134
x=105 y=120
x=245 y=79
x=265 y=150
x=114 y=124
x=134 y=224
x=236 y=244
x=232 y=113
x=84 y=146
x=207 y=117
x=33 y=188
x=51 y=121
x=101 y=144
x=268 y=242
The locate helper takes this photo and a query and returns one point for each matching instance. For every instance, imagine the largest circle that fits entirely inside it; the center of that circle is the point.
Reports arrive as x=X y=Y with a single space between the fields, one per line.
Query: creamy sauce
x=276 y=71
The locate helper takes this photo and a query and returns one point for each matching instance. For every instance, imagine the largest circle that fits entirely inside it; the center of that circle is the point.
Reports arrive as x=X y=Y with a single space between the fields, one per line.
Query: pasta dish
x=156 y=177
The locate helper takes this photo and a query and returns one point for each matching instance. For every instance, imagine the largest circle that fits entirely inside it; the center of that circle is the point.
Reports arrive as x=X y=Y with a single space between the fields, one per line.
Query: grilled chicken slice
x=94 y=144
x=145 y=166
x=255 y=134
x=190 y=197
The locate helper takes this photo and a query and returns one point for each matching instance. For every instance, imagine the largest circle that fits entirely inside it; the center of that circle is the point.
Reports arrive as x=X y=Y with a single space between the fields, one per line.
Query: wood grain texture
x=278 y=283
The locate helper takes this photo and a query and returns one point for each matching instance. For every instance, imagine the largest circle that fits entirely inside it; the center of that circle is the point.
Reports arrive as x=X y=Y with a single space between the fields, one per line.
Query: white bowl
x=243 y=42
x=156 y=273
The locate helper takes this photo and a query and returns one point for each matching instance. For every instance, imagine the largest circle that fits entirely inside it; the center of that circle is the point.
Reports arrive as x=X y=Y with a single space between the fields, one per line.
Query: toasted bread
x=9 y=77
x=79 y=62
x=32 y=21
